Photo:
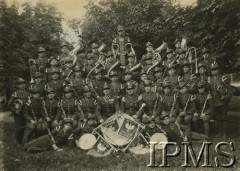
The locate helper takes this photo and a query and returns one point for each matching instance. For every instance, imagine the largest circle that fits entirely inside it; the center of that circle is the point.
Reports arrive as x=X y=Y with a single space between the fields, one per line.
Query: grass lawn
x=76 y=159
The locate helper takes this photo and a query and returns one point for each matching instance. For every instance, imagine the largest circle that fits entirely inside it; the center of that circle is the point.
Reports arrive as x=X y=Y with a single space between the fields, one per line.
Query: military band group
x=75 y=92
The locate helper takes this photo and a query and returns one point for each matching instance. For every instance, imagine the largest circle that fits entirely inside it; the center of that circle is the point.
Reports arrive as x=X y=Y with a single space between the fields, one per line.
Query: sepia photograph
x=123 y=85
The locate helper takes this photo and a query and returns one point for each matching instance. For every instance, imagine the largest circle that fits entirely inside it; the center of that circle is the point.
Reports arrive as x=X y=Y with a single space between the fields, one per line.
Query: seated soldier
x=38 y=83
x=33 y=116
x=204 y=108
x=107 y=105
x=69 y=107
x=59 y=136
x=187 y=107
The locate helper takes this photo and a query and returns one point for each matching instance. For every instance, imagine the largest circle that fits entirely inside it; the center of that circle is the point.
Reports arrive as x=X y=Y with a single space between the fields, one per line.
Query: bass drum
x=160 y=139
x=86 y=141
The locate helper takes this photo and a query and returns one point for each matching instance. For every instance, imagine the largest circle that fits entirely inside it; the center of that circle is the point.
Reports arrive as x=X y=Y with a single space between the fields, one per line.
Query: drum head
x=159 y=137
x=87 y=141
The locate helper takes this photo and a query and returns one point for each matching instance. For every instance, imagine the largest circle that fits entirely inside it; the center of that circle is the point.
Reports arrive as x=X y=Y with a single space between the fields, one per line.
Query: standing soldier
x=129 y=81
x=153 y=105
x=203 y=77
x=56 y=84
x=158 y=73
x=107 y=105
x=186 y=72
x=204 y=108
x=169 y=102
x=187 y=106
x=95 y=52
x=69 y=107
x=143 y=78
x=116 y=87
x=97 y=83
x=64 y=54
x=50 y=108
x=88 y=106
x=34 y=117
x=132 y=63
x=170 y=58
x=219 y=99
x=17 y=103
x=89 y=64
x=38 y=83
x=172 y=77
x=131 y=103
x=67 y=70
x=206 y=60
x=78 y=82
x=109 y=62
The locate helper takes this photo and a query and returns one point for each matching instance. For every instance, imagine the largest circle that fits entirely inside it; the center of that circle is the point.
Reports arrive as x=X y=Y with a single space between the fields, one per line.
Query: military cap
x=147 y=83
x=158 y=69
x=106 y=86
x=76 y=68
x=113 y=73
x=86 y=89
x=177 y=40
x=120 y=28
x=182 y=84
x=50 y=90
x=110 y=54
x=166 y=84
x=169 y=51
x=143 y=73
x=186 y=63
x=91 y=116
x=205 y=50
x=41 y=49
x=98 y=71
x=130 y=86
x=149 y=44
x=55 y=70
x=201 y=84
x=164 y=115
x=68 y=120
x=38 y=75
x=64 y=44
x=52 y=58
x=201 y=65
x=131 y=55
x=127 y=71
x=34 y=90
x=67 y=88
x=214 y=66
x=95 y=46
x=20 y=81
x=171 y=66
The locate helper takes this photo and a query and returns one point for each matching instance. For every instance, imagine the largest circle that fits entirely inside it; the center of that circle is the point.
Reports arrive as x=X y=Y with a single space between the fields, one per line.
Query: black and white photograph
x=119 y=85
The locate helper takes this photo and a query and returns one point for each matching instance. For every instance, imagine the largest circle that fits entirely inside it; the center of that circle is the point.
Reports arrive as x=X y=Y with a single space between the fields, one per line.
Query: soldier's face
x=215 y=72
x=182 y=56
x=64 y=50
x=88 y=94
x=131 y=60
x=183 y=90
x=130 y=91
x=55 y=76
x=149 y=49
x=94 y=50
x=171 y=71
x=106 y=91
x=202 y=70
x=167 y=90
x=90 y=61
x=67 y=126
x=38 y=80
x=144 y=77
x=22 y=86
x=169 y=55
x=158 y=74
x=128 y=77
x=201 y=90
x=36 y=95
x=185 y=69
x=68 y=95
x=98 y=76
x=178 y=45
x=69 y=65
x=205 y=55
x=149 y=61
x=110 y=59
x=78 y=74
x=166 y=120
x=121 y=32
x=41 y=54
x=147 y=88
x=54 y=62
x=51 y=95
x=114 y=78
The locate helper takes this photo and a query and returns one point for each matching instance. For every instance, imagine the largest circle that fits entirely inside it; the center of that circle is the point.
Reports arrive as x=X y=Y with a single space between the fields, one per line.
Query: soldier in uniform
x=143 y=78
x=172 y=77
x=129 y=81
x=204 y=108
x=158 y=73
x=78 y=81
x=50 y=108
x=88 y=106
x=203 y=77
x=153 y=105
x=38 y=83
x=107 y=105
x=187 y=106
x=131 y=103
x=110 y=61
x=95 y=52
x=206 y=60
x=169 y=102
x=89 y=63
x=132 y=63
x=64 y=53
x=98 y=82
x=56 y=84
x=33 y=116
x=67 y=70
x=69 y=107
x=186 y=72
x=220 y=99
x=117 y=89
x=170 y=58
